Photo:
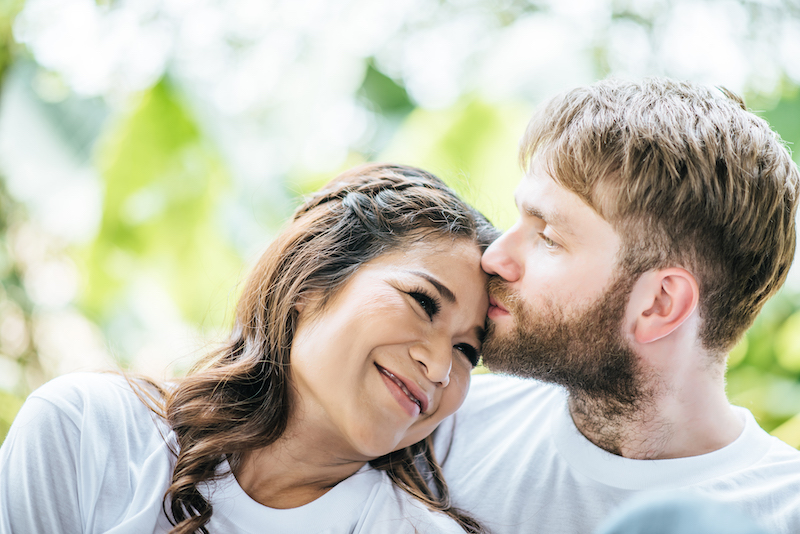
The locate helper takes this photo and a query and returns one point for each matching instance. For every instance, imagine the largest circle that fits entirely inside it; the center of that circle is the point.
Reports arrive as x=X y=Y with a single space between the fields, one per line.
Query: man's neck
x=674 y=421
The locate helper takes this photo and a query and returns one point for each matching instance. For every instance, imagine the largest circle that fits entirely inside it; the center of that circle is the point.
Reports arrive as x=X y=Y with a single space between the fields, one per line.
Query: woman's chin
x=380 y=444
x=376 y=448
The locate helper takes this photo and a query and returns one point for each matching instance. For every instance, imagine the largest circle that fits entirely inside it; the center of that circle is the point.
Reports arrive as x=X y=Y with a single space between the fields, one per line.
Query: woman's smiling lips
x=406 y=392
x=496 y=309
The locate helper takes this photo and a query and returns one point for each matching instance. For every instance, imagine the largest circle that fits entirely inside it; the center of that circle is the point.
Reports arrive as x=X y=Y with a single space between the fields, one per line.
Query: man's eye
x=428 y=304
x=469 y=351
x=549 y=243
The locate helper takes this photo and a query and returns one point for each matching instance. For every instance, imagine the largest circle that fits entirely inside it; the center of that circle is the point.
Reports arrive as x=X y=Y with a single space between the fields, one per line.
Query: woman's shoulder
x=73 y=387
x=102 y=413
x=84 y=388
x=82 y=443
x=95 y=400
x=398 y=510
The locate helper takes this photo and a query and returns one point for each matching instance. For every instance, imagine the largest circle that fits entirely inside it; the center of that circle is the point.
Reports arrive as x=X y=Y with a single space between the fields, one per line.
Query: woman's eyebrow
x=443 y=290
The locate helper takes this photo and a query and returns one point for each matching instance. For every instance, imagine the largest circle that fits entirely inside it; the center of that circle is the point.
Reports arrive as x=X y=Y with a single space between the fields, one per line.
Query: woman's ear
x=301 y=302
x=308 y=301
x=661 y=301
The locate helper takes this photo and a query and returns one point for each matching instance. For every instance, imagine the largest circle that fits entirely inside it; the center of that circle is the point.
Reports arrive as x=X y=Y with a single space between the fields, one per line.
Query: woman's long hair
x=238 y=399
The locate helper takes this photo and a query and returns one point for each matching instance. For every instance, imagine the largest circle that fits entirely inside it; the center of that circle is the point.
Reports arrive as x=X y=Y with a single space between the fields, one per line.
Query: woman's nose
x=501 y=258
x=435 y=356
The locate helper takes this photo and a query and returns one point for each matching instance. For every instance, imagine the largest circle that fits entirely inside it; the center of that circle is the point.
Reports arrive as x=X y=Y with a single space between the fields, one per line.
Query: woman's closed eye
x=429 y=304
x=469 y=351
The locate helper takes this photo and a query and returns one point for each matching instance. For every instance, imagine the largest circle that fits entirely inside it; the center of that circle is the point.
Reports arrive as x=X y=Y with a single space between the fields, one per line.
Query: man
x=655 y=219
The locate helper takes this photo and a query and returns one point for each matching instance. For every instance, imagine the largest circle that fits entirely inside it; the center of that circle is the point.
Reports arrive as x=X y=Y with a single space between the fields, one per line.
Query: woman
x=354 y=337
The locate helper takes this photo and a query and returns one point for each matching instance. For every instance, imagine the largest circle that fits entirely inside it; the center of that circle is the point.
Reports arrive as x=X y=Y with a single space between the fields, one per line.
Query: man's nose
x=502 y=257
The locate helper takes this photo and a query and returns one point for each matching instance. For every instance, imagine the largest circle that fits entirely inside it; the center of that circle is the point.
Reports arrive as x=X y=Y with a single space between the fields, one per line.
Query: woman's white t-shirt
x=86 y=455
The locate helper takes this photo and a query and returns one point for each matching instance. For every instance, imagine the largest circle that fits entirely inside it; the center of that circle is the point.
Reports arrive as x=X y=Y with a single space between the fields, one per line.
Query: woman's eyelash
x=429 y=304
x=469 y=351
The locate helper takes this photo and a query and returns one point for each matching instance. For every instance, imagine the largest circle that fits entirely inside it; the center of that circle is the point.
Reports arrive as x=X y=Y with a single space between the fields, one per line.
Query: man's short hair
x=687 y=177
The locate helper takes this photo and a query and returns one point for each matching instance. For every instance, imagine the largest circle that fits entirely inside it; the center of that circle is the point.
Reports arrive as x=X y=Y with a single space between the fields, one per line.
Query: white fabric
x=86 y=455
x=513 y=457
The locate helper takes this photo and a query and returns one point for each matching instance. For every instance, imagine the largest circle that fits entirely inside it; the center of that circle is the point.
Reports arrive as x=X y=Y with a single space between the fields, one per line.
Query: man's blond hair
x=687 y=177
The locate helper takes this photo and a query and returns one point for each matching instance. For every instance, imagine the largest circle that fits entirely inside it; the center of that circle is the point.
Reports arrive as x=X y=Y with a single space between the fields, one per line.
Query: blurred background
x=149 y=149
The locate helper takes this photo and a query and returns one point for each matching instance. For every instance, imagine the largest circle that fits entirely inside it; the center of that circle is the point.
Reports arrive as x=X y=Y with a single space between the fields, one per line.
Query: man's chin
x=500 y=329
x=499 y=347
x=500 y=367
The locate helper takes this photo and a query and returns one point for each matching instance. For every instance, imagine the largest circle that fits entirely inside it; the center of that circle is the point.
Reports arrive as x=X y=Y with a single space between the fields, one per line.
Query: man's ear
x=661 y=301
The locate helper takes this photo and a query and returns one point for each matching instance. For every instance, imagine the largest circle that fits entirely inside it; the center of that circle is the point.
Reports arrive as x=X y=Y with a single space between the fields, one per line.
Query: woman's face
x=380 y=366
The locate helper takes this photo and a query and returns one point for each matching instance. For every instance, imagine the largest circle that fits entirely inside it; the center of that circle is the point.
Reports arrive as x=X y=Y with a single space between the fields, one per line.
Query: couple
x=655 y=219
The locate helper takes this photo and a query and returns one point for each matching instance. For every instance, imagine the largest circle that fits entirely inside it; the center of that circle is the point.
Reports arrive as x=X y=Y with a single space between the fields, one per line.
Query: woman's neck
x=297 y=469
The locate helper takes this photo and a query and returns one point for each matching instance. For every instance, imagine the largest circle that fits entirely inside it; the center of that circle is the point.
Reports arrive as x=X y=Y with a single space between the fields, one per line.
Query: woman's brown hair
x=238 y=398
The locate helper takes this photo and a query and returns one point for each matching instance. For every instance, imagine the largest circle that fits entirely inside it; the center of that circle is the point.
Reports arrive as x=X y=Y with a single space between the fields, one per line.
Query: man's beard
x=584 y=351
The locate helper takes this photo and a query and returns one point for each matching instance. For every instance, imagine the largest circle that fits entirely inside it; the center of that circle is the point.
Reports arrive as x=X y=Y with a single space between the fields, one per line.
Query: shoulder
x=78 y=395
x=503 y=419
x=774 y=453
x=394 y=510
x=491 y=389
x=80 y=446
x=764 y=478
x=101 y=407
x=500 y=401
x=78 y=387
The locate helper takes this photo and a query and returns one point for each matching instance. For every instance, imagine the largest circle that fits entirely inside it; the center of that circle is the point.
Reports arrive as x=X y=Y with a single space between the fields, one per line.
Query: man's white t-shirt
x=514 y=459
x=85 y=455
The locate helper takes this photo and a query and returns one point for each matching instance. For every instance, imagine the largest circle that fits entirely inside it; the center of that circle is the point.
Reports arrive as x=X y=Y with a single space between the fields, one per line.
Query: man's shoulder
x=779 y=459
x=491 y=392
x=496 y=406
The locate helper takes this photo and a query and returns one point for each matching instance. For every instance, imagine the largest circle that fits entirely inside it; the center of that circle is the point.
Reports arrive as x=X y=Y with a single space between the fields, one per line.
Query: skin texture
x=347 y=410
x=563 y=309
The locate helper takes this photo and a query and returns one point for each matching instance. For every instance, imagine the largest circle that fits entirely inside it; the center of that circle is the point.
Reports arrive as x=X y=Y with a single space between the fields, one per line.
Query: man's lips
x=409 y=388
x=495 y=304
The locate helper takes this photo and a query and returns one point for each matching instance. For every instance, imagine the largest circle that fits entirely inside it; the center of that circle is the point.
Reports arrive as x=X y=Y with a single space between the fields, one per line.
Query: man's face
x=557 y=304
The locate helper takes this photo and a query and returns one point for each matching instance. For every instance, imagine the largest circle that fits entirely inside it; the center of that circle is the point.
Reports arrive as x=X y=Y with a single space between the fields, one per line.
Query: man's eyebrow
x=443 y=290
x=552 y=218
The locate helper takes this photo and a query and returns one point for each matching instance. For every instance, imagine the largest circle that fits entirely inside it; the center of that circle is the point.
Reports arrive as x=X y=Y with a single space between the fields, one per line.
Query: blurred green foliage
x=764 y=370
x=15 y=303
x=164 y=183
x=15 y=307
x=472 y=146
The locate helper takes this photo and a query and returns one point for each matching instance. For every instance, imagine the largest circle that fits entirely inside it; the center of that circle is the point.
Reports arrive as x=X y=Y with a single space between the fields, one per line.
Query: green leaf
x=163 y=185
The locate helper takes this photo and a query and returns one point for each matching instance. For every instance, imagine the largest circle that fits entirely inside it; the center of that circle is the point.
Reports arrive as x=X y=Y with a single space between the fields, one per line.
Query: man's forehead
x=540 y=196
